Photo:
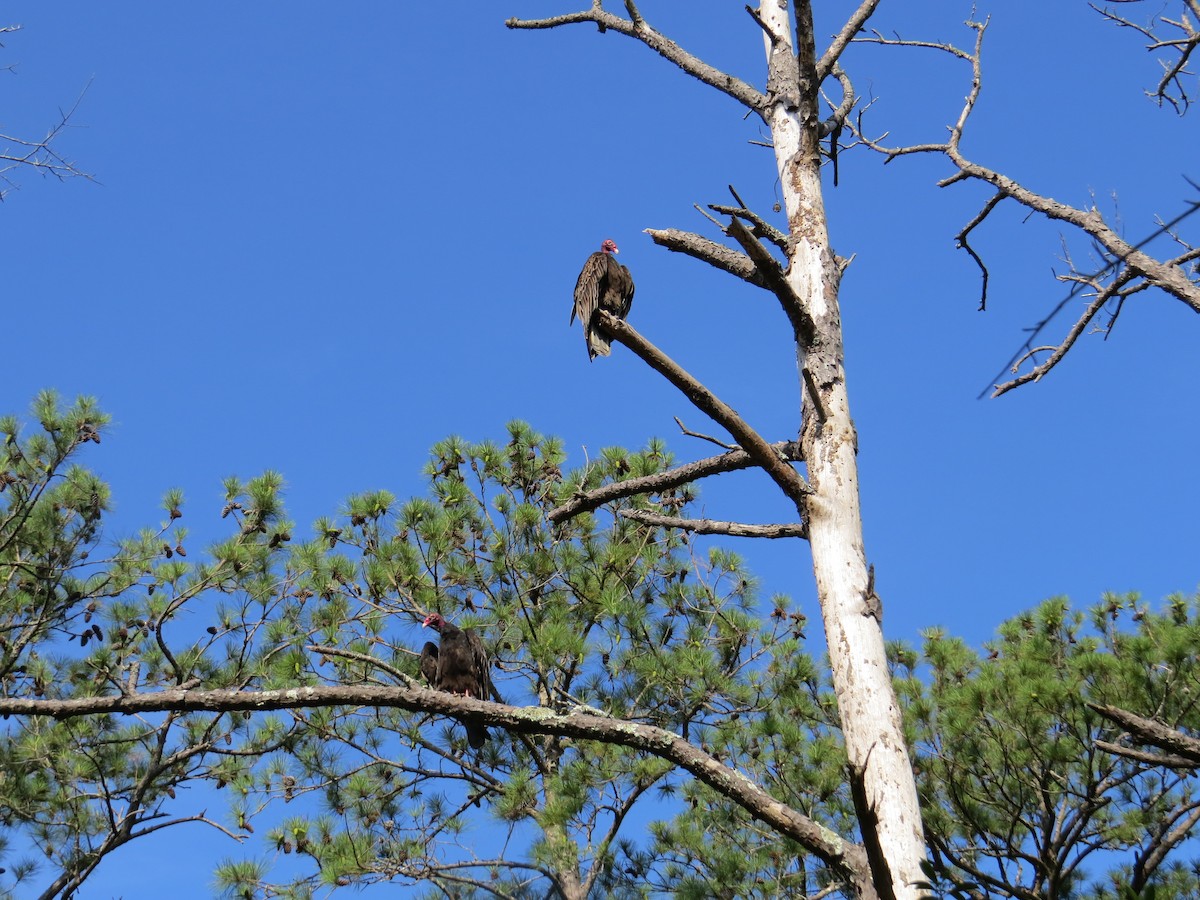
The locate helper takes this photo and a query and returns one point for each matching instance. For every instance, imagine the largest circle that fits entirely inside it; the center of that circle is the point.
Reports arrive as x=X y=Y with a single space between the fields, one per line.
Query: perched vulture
x=603 y=284
x=458 y=666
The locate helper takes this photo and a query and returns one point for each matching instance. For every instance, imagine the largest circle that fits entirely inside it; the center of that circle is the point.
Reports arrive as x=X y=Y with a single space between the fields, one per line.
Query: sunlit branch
x=710 y=526
x=636 y=27
x=666 y=481
x=842 y=855
x=1152 y=732
x=842 y=40
x=765 y=456
x=1185 y=45
x=701 y=248
x=1137 y=269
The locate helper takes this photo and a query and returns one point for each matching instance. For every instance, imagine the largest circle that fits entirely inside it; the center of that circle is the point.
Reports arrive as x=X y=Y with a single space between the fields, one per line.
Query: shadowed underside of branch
x=1183 y=751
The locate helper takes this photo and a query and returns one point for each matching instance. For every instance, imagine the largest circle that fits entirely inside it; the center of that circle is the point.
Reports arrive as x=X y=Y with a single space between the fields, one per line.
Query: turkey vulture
x=458 y=666
x=603 y=284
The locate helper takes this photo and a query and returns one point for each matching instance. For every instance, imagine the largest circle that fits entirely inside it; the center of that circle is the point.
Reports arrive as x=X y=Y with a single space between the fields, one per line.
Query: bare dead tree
x=805 y=283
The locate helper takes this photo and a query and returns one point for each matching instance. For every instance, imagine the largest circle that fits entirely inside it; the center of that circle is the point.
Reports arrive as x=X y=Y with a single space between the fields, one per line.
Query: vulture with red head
x=458 y=666
x=603 y=284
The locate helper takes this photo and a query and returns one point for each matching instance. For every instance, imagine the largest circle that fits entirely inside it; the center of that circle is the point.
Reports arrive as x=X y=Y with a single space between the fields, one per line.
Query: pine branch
x=1169 y=761
x=845 y=857
x=1150 y=731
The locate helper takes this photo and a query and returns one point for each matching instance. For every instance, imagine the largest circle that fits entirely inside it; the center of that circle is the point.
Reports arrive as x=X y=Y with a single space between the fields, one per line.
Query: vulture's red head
x=609 y=246
x=434 y=621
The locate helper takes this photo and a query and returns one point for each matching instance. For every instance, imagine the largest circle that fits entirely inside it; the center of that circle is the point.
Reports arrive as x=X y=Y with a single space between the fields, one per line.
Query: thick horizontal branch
x=665 y=481
x=1154 y=733
x=701 y=248
x=764 y=455
x=660 y=44
x=840 y=854
x=711 y=526
x=1167 y=760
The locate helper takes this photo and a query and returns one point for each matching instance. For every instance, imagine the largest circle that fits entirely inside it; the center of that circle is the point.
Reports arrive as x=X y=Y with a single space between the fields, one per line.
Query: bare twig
x=41 y=155
x=961 y=240
x=1131 y=268
x=704 y=437
x=1170 y=88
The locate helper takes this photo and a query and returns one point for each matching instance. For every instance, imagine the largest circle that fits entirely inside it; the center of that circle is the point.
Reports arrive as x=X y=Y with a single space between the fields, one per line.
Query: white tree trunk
x=852 y=616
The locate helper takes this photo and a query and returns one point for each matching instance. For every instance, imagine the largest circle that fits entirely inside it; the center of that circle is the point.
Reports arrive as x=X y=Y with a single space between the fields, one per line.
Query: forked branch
x=636 y=27
x=679 y=476
x=1156 y=734
x=40 y=155
x=763 y=454
x=1178 y=38
x=1128 y=268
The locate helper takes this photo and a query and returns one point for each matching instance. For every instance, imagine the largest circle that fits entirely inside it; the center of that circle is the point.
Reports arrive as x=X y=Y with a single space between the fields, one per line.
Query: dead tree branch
x=717 y=255
x=1171 y=87
x=40 y=155
x=842 y=40
x=1128 y=267
x=789 y=480
x=841 y=855
x=776 y=281
x=1166 y=760
x=711 y=526
x=637 y=28
x=1152 y=732
x=666 y=481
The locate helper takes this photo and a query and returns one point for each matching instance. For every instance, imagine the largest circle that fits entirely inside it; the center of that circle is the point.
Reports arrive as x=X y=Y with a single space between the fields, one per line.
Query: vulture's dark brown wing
x=603 y=284
x=429 y=663
x=587 y=297
x=618 y=298
x=463 y=669
x=482 y=667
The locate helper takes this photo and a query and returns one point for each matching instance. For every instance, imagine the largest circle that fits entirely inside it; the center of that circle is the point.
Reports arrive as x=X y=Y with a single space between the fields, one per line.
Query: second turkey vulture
x=603 y=284
x=458 y=666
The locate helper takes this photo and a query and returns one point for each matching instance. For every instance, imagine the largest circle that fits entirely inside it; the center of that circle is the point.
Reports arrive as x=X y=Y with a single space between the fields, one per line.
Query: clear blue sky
x=326 y=236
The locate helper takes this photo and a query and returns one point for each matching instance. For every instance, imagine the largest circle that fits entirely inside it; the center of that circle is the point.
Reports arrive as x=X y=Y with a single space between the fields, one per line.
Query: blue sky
x=323 y=238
